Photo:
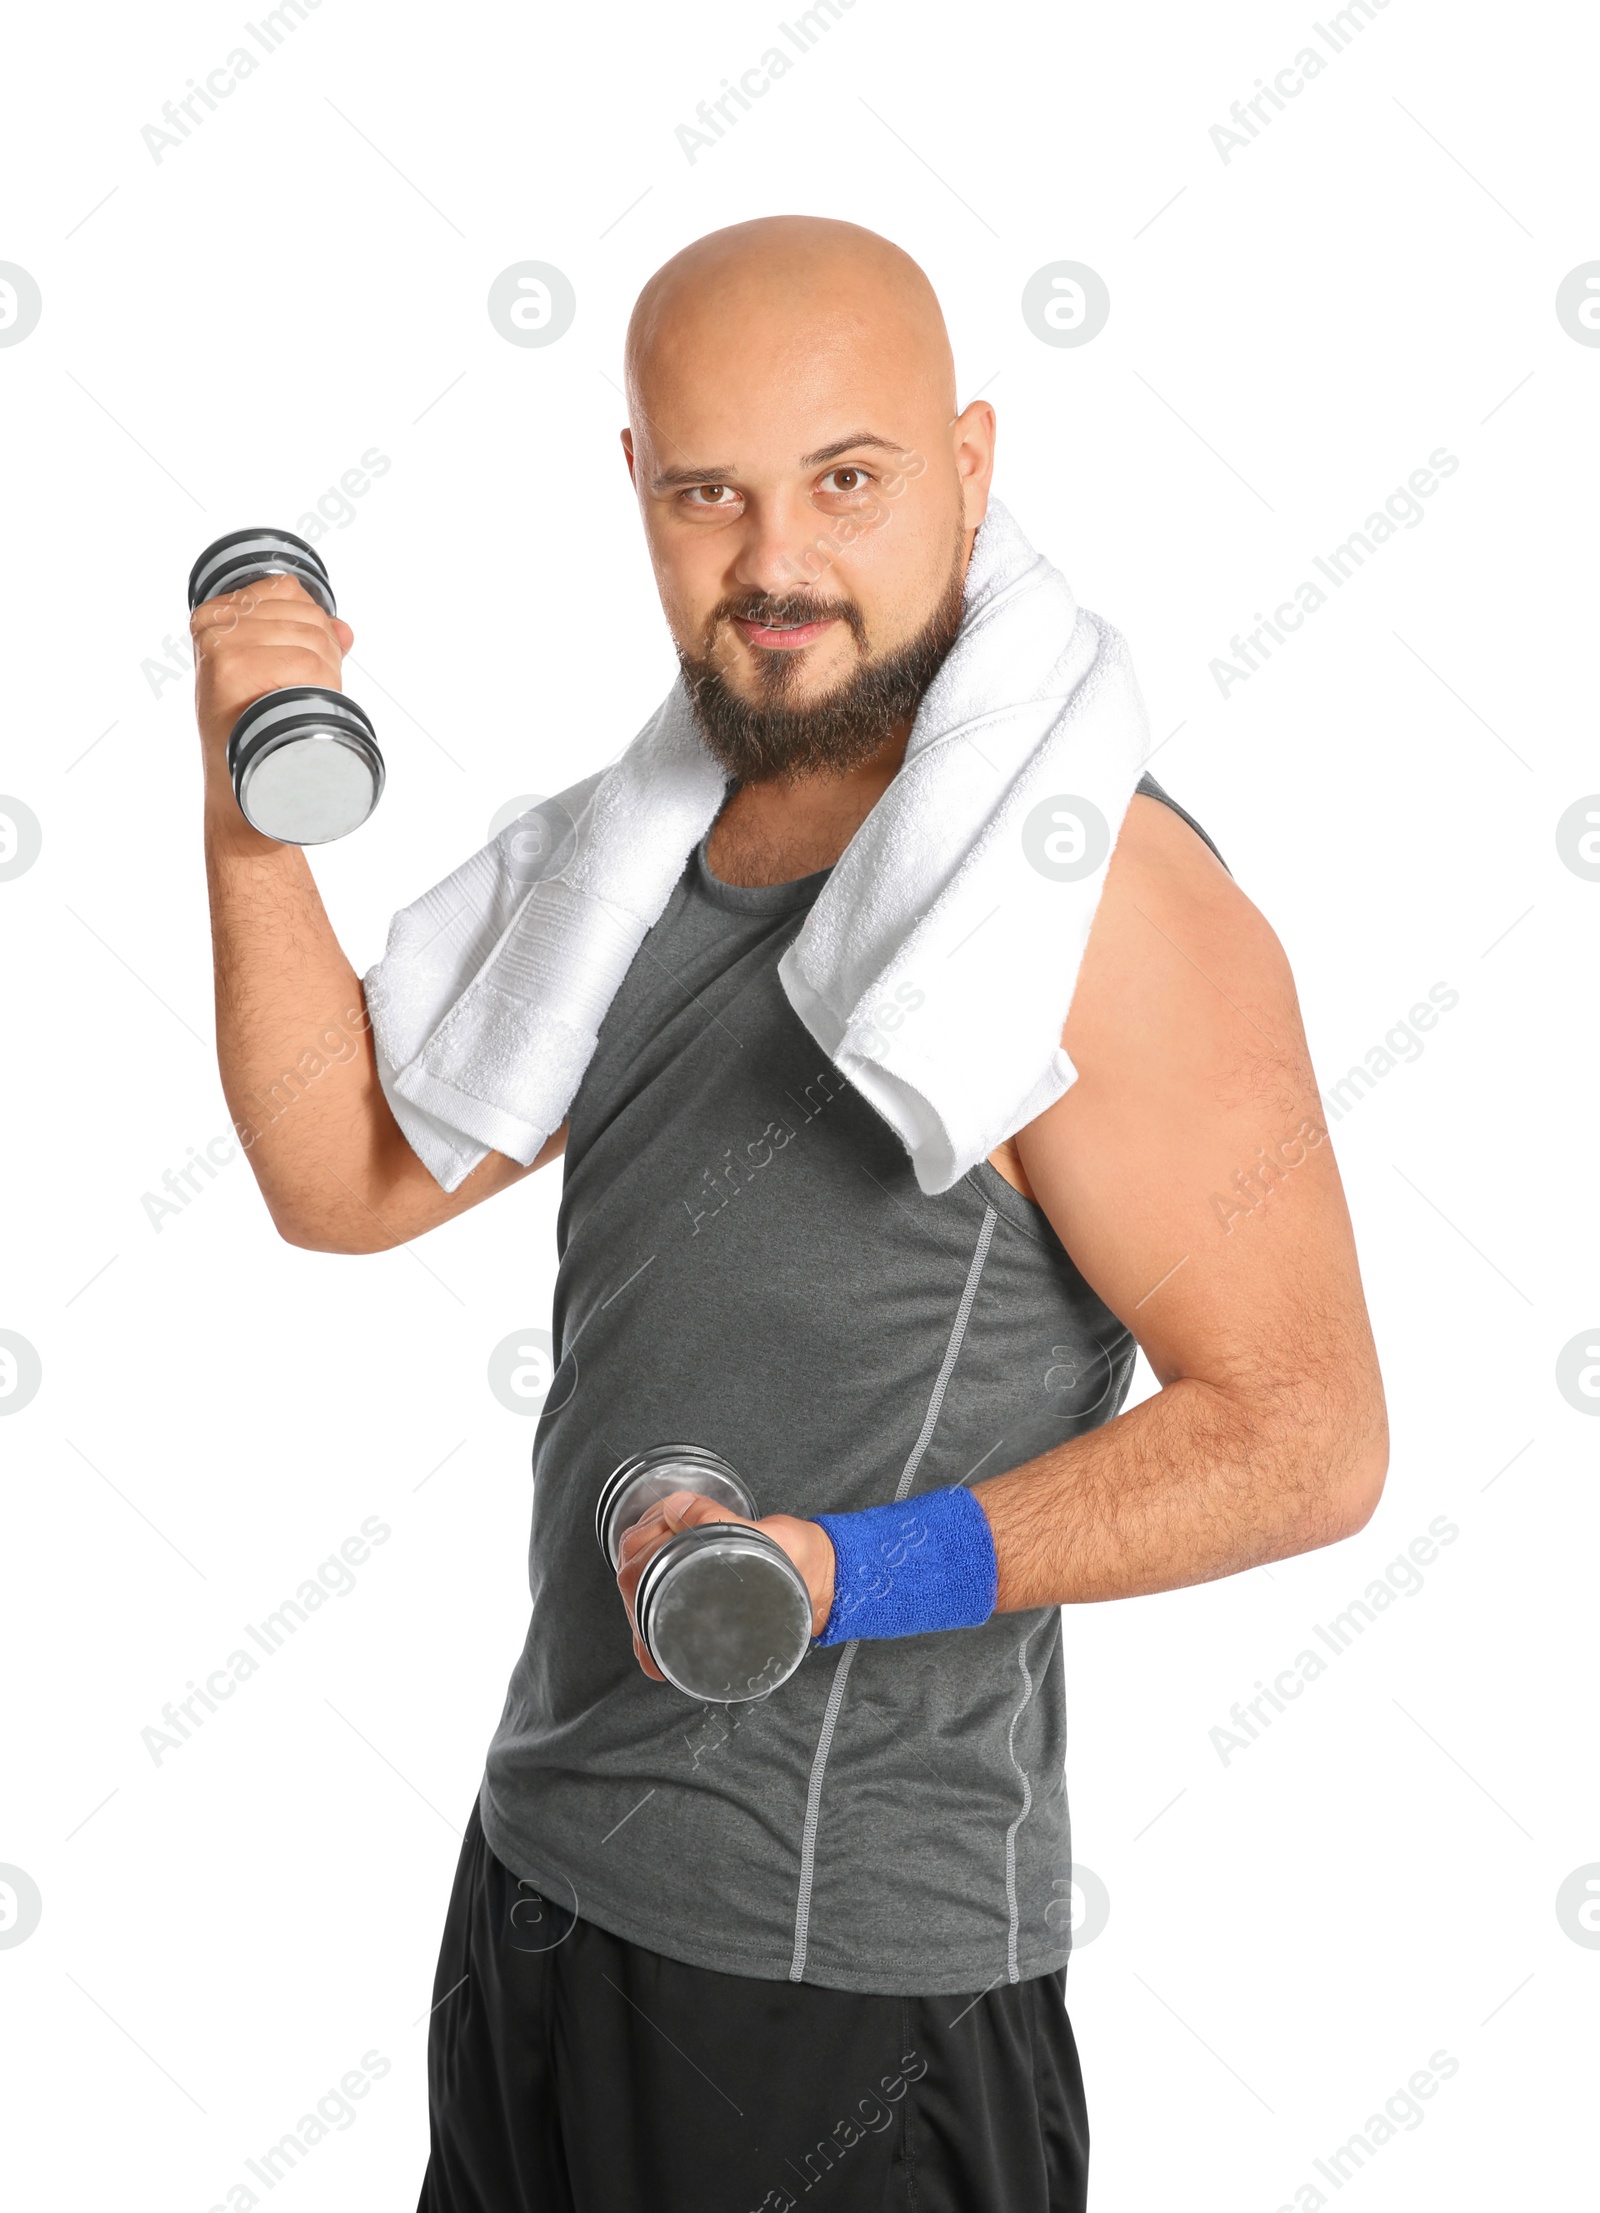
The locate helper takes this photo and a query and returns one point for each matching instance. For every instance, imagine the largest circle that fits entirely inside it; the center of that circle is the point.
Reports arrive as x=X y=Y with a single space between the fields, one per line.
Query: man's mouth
x=783 y=637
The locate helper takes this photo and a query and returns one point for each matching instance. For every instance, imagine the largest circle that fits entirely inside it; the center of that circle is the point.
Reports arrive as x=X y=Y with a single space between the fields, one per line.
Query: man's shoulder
x=1177 y=950
x=1160 y=838
x=1163 y=870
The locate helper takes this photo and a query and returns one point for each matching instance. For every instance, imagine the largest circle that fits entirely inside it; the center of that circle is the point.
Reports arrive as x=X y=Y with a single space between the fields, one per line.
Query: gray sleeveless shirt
x=746 y=1262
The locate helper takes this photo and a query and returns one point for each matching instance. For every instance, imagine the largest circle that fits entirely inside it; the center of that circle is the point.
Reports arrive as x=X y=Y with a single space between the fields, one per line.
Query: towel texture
x=935 y=968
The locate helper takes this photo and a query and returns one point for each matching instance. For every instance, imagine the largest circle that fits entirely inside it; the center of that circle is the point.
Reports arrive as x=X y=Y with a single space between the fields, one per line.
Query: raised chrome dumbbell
x=723 y=1611
x=304 y=761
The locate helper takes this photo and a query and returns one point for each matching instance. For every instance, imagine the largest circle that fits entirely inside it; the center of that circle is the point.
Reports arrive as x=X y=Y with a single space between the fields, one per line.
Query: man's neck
x=774 y=832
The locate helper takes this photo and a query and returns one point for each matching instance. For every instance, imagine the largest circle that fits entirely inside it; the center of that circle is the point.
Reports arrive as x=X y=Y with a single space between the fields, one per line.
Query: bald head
x=780 y=291
x=809 y=493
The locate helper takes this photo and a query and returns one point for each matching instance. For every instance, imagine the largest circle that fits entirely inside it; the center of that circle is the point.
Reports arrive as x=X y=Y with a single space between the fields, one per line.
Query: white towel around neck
x=935 y=969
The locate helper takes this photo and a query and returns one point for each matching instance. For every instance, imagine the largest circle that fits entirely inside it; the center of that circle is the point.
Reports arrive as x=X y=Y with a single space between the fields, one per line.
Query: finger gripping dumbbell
x=722 y=1610
x=304 y=761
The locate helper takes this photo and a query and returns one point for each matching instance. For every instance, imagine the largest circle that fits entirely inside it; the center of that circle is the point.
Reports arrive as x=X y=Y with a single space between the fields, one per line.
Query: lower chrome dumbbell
x=722 y=1610
x=304 y=761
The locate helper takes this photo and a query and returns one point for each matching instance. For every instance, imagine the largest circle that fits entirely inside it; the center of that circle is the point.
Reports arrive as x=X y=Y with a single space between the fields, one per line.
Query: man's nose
x=781 y=548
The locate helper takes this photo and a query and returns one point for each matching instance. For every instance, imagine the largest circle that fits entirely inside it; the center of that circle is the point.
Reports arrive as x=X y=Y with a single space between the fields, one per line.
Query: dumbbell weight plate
x=305 y=765
x=246 y=556
x=724 y=1612
x=642 y=1482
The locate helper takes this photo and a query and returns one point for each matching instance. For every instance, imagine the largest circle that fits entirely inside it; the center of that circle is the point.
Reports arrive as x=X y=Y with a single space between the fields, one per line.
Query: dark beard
x=759 y=741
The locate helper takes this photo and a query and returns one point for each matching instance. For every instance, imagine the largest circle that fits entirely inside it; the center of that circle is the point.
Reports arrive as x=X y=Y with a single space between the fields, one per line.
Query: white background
x=1293 y=331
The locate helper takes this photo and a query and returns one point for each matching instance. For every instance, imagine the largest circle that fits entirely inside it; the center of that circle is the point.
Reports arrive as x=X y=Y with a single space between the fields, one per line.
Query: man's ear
x=627 y=448
x=974 y=432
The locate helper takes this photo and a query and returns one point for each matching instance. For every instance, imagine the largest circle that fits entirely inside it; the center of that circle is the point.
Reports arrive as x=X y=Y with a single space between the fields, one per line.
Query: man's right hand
x=262 y=639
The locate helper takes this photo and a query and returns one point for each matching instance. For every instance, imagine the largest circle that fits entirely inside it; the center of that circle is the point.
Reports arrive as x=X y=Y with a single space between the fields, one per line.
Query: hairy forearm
x=292 y=1045
x=1190 y=1485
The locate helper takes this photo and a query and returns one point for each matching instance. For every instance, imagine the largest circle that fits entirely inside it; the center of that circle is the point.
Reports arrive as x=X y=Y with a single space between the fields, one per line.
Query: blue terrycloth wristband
x=900 y=1571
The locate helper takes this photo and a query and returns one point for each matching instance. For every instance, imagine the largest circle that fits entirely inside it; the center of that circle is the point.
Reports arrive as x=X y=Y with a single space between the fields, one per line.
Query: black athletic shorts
x=572 y=2072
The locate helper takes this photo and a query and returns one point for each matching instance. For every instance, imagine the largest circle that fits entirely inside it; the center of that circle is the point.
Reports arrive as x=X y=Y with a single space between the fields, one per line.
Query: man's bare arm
x=1189 y=1174
x=293 y=1042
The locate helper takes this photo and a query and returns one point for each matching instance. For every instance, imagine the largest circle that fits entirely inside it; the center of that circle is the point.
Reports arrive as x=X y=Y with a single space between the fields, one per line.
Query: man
x=702 y=1958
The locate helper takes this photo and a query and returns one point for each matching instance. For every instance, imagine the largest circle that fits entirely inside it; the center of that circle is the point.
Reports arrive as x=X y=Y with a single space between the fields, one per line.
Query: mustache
x=778 y=608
